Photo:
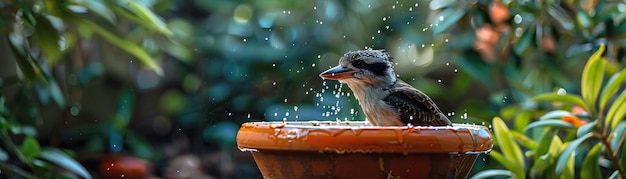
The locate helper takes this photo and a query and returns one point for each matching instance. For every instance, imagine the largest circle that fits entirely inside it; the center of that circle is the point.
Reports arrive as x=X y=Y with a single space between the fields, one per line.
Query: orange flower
x=575 y=121
x=576 y=110
x=498 y=12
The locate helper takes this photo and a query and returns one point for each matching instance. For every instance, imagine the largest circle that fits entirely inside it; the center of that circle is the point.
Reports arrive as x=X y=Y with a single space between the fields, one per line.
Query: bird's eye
x=358 y=63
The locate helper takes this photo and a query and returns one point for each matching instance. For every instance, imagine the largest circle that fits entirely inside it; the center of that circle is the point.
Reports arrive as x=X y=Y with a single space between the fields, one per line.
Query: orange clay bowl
x=357 y=150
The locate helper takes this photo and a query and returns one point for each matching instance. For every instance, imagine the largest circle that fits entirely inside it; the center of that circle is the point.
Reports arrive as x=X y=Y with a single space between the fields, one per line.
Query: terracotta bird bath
x=357 y=150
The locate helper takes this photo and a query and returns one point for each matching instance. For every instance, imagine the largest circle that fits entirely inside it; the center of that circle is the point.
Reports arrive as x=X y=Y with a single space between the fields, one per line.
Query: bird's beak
x=337 y=73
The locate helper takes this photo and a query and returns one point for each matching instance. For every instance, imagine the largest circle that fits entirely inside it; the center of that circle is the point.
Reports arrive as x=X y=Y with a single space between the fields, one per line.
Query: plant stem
x=16 y=170
x=8 y=142
x=613 y=157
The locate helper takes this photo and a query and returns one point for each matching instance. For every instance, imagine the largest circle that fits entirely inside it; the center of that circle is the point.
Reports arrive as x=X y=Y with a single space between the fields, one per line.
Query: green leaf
x=524 y=140
x=590 y=166
x=146 y=14
x=476 y=67
x=524 y=41
x=619 y=134
x=4 y=156
x=567 y=98
x=506 y=163
x=48 y=39
x=592 y=76
x=450 y=17
x=562 y=162
x=23 y=61
x=611 y=88
x=97 y=7
x=617 y=111
x=546 y=141
x=492 y=173
x=507 y=144
x=522 y=119
x=583 y=19
x=30 y=147
x=550 y=123
x=586 y=129
x=438 y=4
x=125 y=45
x=61 y=159
x=556 y=114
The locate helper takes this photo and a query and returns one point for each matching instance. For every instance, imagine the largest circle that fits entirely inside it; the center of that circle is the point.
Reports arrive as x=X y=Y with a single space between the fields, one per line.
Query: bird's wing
x=415 y=107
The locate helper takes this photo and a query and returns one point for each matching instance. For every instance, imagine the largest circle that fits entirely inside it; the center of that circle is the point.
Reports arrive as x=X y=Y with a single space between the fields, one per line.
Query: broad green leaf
x=476 y=67
x=564 y=157
x=97 y=7
x=561 y=16
x=524 y=140
x=61 y=159
x=583 y=19
x=438 y=4
x=568 y=171
x=522 y=119
x=617 y=111
x=125 y=45
x=586 y=129
x=611 y=88
x=618 y=135
x=567 y=98
x=48 y=39
x=546 y=141
x=4 y=156
x=555 y=146
x=491 y=173
x=506 y=163
x=549 y=123
x=23 y=61
x=524 y=41
x=593 y=74
x=56 y=94
x=146 y=14
x=507 y=144
x=590 y=166
x=556 y=114
x=30 y=147
x=540 y=165
x=450 y=16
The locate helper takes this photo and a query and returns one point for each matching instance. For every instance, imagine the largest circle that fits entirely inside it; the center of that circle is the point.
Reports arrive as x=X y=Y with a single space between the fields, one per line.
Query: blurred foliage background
x=166 y=84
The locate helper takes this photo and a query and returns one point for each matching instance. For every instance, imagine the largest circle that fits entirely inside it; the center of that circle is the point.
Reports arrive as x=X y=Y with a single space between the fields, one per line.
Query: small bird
x=385 y=99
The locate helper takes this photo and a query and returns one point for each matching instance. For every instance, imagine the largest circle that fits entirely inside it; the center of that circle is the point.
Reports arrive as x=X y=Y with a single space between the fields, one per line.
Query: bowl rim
x=359 y=136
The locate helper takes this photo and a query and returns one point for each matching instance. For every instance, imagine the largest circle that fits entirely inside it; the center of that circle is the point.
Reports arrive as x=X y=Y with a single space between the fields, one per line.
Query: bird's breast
x=378 y=112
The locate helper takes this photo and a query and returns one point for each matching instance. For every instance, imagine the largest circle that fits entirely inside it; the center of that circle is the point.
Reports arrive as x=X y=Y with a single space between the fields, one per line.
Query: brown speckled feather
x=414 y=106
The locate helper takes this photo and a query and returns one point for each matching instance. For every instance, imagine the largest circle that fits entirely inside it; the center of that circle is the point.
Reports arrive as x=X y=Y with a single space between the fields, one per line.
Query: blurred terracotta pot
x=356 y=150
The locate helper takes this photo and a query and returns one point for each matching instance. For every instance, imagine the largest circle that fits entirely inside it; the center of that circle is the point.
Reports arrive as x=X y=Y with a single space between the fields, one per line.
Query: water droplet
x=384 y=18
x=561 y=91
x=439 y=81
x=440 y=18
x=244 y=40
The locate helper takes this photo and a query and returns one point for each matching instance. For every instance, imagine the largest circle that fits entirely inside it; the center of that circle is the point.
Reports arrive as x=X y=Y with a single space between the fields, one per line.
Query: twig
x=613 y=157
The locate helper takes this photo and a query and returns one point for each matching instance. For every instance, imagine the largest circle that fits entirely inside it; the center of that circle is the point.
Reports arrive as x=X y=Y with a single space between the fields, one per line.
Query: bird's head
x=364 y=67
